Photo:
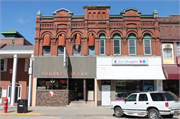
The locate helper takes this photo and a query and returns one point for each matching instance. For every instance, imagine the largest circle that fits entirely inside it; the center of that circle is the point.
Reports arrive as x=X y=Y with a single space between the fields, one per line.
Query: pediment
x=131 y=12
x=62 y=11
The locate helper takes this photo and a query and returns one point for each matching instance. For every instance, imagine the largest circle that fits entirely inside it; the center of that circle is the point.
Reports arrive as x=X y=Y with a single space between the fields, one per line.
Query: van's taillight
x=166 y=104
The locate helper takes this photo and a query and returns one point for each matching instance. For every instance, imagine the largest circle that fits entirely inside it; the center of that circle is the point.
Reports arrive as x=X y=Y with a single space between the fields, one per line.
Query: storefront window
x=172 y=86
x=124 y=88
x=49 y=84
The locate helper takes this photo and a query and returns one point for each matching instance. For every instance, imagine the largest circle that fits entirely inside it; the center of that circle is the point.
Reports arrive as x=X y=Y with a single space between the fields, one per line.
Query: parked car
x=152 y=104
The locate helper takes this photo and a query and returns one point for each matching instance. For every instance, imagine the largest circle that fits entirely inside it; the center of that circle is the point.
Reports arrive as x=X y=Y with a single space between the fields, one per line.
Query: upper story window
x=178 y=50
x=102 y=44
x=61 y=44
x=46 y=44
x=91 y=44
x=60 y=50
x=46 y=50
x=132 y=44
x=147 y=44
x=167 y=50
x=116 y=44
x=77 y=47
x=3 y=64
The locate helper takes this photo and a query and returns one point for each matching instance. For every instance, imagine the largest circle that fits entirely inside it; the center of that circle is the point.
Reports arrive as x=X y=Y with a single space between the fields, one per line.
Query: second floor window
x=60 y=50
x=147 y=46
x=116 y=44
x=167 y=53
x=2 y=64
x=102 y=46
x=132 y=47
x=46 y=50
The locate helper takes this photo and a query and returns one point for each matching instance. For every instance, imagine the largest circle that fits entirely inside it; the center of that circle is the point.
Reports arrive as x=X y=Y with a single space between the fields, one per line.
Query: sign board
x=51 y=93
x=130 y=62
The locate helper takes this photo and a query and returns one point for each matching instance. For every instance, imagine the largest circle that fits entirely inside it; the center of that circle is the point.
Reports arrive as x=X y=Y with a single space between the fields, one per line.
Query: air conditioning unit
x=168 y=46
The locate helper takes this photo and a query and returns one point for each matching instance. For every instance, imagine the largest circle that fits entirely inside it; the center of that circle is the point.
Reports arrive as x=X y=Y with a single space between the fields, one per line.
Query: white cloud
x=21 y=20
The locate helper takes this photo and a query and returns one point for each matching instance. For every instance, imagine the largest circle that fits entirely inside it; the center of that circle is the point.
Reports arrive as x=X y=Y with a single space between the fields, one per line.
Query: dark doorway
x=77 y=86
x=90 y=89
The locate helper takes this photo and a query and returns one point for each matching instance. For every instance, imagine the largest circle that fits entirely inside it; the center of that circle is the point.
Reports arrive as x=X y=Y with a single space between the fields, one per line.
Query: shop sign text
x=68 y=73
x=129 y=62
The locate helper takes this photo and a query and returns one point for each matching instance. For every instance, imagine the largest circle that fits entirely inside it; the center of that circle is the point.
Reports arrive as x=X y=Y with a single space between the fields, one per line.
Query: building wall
x=96 y=21
x=17 y=41
x=22 y=77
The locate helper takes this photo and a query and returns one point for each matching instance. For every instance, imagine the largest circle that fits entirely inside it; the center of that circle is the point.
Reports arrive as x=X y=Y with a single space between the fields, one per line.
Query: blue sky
x=21 y=15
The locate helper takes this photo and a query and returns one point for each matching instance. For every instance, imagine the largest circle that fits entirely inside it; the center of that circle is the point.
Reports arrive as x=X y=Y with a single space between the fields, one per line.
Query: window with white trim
x=102 y=47
x=132 y=46
x=102 y=44
x=4 y=64
x=116 y=44
x=178 y=50
x=147 y=46
x=167 y=53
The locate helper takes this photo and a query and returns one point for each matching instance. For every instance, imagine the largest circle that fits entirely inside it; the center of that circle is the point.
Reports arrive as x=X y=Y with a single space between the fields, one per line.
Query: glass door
x=17 y=92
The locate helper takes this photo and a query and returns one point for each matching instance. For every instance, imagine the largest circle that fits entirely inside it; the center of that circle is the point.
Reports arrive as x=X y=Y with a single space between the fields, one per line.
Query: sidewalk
x=62 y=111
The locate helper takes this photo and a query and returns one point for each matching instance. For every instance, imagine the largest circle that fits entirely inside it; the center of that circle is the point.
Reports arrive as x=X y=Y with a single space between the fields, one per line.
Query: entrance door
x=17 y=92
x=106 y=98
x=78 y=89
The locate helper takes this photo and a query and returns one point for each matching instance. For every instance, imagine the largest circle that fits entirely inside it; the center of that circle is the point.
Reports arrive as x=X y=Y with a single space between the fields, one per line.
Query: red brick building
x=15 y=54
x=129 y=37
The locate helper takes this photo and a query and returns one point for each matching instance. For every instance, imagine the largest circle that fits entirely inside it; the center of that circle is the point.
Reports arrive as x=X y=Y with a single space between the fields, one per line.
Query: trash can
x=22 y=106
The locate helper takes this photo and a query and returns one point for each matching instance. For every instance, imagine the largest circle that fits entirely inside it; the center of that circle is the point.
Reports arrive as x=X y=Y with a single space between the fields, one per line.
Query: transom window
x=116 y=44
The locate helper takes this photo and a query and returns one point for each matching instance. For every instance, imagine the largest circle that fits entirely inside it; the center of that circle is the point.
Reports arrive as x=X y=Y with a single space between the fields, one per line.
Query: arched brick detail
x=147 y=31
x=46 y=32
x=76 y=32
x=92 y=31
x=61 y=32
x=132 y=31
x=101 y=31
x=116 y=31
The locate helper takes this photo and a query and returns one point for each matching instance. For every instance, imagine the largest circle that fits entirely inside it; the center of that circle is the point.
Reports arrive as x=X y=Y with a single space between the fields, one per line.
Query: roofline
x=96 y=6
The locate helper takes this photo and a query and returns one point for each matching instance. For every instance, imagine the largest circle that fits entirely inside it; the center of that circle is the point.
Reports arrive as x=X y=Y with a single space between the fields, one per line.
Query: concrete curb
x=32 y=114
x=76 y=115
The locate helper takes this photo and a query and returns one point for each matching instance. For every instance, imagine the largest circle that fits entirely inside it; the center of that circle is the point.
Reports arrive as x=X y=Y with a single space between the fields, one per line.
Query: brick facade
x=61 y=98
x=96 y=20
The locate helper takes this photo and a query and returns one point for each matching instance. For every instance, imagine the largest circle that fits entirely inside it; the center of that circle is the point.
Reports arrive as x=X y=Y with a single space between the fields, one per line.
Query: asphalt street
x=67 y=117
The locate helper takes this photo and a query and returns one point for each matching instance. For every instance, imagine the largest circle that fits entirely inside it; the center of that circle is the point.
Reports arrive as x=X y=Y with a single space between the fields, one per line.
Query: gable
x=62 y=12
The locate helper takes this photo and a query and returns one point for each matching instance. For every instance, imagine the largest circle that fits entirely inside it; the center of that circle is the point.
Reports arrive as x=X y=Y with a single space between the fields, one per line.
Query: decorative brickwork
x=61 y=98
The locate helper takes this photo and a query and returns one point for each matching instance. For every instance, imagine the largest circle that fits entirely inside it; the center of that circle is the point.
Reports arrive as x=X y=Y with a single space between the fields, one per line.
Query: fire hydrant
x=6 y=105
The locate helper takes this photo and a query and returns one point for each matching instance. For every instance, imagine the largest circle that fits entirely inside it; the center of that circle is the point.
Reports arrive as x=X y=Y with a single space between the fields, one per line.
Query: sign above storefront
x=130 y=62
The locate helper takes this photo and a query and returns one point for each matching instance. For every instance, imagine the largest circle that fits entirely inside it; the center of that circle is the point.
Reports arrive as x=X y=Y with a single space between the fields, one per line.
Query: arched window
x=46 y=44
x=147 y=44
x=61 y=44
x=89 y=15
x=76 y=48
x=116 y=44
x=103 y=15
x=91 y=44
x=102 y=44
x=132 y=44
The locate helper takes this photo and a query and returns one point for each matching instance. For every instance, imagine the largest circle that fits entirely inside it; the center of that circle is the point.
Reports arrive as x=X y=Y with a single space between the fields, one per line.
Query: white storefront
x=123 y=68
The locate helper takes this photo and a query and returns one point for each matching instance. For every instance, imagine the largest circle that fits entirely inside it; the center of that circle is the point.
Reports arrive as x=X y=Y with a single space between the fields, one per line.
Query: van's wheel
x=153 y=114
x=118 y=112
x=168 y=116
